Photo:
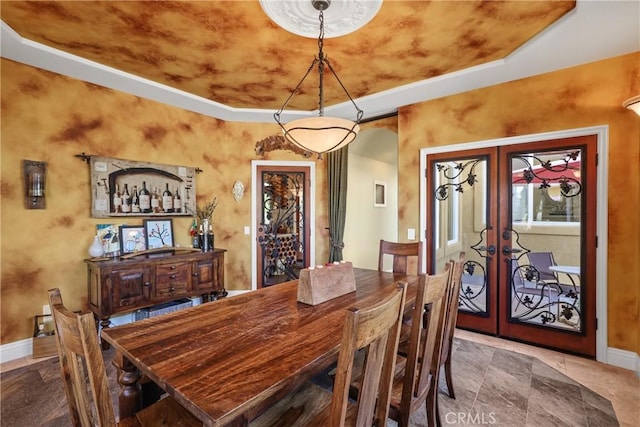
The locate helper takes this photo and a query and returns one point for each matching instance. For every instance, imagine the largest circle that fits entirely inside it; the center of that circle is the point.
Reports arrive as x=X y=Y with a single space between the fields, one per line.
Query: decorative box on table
x=323 y=283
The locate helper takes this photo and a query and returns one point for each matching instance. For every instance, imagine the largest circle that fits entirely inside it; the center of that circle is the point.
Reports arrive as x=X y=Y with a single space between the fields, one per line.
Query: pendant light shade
x=633 y=104
x=320 y=134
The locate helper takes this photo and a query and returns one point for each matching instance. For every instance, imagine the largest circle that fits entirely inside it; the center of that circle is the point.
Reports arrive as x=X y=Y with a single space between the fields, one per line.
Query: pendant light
x=633 y=104
x=320 y=134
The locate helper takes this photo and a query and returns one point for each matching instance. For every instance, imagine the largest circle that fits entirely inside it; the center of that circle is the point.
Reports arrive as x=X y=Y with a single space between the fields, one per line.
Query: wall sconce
x=35 y=174
x=633 y=104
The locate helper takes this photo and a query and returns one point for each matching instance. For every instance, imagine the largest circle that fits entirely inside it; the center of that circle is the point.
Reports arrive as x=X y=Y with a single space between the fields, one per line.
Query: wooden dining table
x=227 y=361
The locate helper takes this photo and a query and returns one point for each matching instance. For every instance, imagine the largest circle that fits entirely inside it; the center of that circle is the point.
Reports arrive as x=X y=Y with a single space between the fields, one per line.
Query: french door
x=525 y=216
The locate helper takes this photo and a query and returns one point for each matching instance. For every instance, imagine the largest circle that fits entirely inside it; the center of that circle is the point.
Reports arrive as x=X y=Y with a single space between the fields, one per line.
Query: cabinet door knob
x=147 y=284
x=195 y=274
x=173 y=276
x=173 y=267
x=171 y=289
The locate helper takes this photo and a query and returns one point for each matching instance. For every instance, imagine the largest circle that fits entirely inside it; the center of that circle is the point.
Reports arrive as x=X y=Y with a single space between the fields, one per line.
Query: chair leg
x=432 y=406
x=449 y=377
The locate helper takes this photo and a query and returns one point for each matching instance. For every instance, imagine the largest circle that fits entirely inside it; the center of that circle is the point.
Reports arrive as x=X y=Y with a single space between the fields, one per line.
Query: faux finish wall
x=588 y=95
x=49 y=117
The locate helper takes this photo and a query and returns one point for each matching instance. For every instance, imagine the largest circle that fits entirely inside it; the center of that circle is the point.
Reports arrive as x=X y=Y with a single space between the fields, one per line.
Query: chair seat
x=310 y=406
x=166 y=412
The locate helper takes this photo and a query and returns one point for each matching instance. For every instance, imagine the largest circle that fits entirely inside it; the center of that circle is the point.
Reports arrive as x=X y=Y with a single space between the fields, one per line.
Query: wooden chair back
x=451 y=315
x=401 y=253
x=80 y=357
x=420 y=378
x=451 y=318
x=375 y=329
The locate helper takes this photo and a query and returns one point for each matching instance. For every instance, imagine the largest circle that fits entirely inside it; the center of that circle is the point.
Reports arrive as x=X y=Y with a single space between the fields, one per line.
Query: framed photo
x=159 y=233
x=110 y=238
x=379 y=194
x=132 y=239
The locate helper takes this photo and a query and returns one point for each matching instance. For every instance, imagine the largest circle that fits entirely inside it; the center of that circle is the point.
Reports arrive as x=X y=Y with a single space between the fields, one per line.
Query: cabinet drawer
x=172 y=280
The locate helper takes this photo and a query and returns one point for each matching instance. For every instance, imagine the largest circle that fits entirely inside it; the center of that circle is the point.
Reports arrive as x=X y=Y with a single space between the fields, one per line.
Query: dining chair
x=541 y=261
x=451 y=317
x=530 y=294
x=374 y=330
x=80 y=359
x=417 y=384
x=400 y=253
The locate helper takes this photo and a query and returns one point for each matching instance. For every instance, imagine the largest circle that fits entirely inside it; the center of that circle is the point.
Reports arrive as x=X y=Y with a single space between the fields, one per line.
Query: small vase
x=96 y=249
x=204 y=240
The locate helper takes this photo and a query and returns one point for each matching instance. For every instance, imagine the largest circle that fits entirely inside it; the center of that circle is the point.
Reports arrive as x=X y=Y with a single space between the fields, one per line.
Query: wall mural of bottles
x=128 y=188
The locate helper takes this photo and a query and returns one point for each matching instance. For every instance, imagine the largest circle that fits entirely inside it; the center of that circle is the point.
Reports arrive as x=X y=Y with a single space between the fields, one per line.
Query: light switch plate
x=411 y=233
x=247 y=230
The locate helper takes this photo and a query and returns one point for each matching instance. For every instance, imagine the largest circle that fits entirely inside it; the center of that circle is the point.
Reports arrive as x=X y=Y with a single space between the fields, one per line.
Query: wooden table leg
x=130 y=398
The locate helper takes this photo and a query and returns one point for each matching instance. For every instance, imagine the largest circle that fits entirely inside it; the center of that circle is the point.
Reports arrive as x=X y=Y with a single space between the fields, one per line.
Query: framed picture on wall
x=379 y=194
x=128 y=188
x=159 y=233
x=132 y=239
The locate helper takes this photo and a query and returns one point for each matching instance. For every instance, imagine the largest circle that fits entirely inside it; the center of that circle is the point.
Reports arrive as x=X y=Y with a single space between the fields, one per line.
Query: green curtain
x=337 y=162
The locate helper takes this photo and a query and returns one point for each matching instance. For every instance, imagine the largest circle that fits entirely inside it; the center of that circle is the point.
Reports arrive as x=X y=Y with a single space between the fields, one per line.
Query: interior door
x=525 y=217
x=283 y=229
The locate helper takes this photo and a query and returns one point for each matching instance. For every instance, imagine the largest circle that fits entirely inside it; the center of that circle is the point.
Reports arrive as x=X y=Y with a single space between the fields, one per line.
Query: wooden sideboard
x=120 y=286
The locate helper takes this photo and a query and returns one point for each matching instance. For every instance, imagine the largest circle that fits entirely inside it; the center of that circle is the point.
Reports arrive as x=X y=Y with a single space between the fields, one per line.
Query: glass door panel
x=462 y=223
x=546 y=191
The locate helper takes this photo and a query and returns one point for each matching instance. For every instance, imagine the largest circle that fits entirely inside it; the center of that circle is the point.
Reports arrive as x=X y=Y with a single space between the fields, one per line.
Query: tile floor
x=620 y=386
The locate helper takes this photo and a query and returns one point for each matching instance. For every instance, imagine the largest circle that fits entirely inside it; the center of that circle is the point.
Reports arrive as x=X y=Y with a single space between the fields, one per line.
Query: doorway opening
x=283 y=217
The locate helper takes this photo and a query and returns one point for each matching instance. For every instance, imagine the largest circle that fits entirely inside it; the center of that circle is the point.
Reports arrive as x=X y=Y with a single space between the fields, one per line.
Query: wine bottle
x=126 y=200
x=177 y=202
x=155 y=200
x=117 y=200
x=167 y=200
x=145 y=198
x=135 y=200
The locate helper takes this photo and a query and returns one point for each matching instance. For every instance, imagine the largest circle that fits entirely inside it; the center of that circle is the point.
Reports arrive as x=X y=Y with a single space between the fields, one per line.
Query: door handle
x=491 y=250
x=507 y=250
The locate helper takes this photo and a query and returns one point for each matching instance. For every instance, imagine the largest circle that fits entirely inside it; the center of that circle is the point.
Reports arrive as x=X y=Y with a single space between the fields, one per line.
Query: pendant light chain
x=321 y=65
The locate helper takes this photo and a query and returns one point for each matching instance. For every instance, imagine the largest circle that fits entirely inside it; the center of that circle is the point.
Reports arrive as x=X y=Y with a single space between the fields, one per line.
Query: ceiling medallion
x=301 y=17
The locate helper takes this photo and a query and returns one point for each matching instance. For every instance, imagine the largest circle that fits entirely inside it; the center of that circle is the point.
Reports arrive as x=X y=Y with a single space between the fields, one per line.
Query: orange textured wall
x=49 y=117
x=582 y=96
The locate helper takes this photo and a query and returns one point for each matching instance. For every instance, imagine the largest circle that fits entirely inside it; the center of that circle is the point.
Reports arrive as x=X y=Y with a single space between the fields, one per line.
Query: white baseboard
x=623 y=359
x=16 y=350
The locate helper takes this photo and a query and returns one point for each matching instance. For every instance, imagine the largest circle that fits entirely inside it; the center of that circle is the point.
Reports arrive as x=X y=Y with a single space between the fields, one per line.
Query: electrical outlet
x=247 y=230
x=411 y=233
x=46 y=309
